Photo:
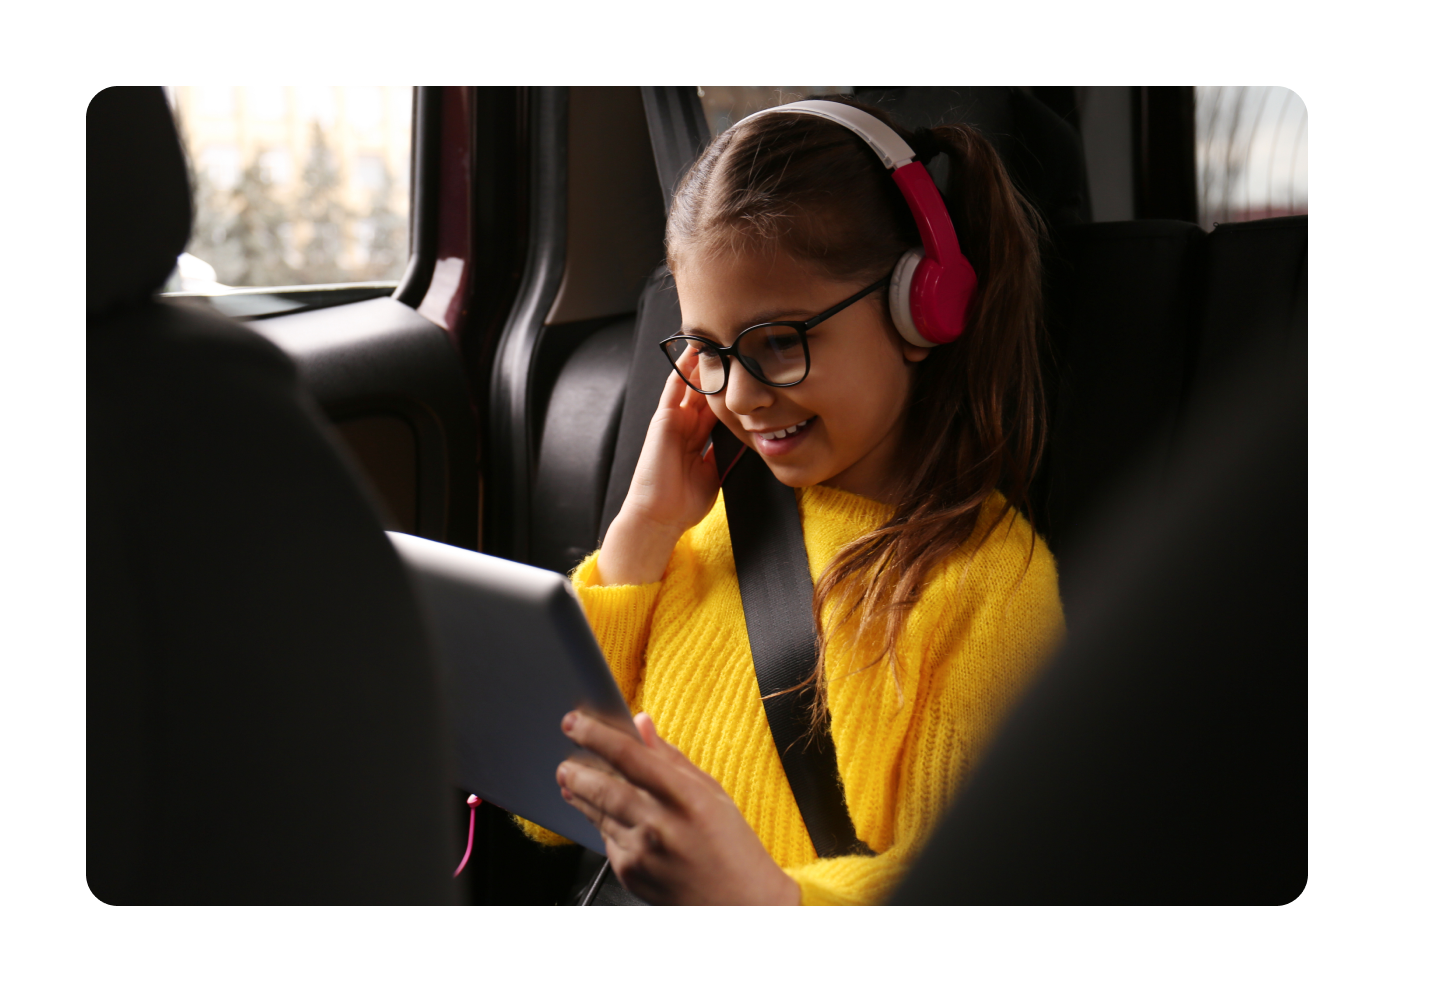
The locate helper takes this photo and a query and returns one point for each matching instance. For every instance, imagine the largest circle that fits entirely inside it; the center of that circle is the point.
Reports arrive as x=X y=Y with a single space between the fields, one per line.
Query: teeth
x=784 y=431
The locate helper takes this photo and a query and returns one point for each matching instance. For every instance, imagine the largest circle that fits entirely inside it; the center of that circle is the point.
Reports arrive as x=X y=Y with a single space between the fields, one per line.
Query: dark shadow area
x=1162 y=756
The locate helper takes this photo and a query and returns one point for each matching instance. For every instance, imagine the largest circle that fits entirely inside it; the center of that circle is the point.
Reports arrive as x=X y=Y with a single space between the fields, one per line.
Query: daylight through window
x=295 y=185
x=1251 y=153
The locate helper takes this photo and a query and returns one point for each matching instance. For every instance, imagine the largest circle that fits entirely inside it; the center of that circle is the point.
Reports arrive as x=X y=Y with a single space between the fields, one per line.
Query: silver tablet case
x=517 y=655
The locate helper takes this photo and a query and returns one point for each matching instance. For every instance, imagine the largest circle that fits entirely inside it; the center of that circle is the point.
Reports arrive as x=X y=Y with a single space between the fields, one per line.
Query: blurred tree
x=326 y=215
x=242 y=232
x=387 y=243
x=257 y=233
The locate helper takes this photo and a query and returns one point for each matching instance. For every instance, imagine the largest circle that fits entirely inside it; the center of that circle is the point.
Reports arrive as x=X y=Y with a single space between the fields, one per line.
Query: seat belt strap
x=776 y=591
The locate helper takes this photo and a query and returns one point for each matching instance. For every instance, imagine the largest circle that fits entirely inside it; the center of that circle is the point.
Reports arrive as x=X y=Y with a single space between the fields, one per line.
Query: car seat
x=1161 y=758
x=263 y=717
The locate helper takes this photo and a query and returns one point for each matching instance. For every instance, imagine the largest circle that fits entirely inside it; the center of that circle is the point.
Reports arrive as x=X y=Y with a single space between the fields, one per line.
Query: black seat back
x=657 y=317
x=263 y=714
x=1161 y=758
x=1148 y=320
x=1255 y=306
x=1121 y=300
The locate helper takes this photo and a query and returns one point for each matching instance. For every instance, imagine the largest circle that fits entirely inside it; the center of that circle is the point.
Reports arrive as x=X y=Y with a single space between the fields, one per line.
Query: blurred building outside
x=295 y=185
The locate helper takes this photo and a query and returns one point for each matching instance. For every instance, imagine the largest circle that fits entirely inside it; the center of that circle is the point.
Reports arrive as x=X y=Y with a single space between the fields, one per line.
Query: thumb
x=651 y=736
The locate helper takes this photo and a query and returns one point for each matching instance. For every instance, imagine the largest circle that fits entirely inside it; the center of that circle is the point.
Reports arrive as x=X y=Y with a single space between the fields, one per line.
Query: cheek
x=865 y=393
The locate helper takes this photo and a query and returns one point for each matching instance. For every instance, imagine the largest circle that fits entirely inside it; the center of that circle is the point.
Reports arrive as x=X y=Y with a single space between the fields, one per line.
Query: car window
x=1251 y=153
x=294 y=185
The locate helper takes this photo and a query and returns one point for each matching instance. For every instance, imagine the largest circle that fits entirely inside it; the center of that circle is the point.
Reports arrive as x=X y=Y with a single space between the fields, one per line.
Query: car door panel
x=378 y=368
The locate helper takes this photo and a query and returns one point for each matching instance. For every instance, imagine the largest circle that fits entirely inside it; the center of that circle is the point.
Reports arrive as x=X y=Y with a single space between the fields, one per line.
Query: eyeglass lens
x=773 y=353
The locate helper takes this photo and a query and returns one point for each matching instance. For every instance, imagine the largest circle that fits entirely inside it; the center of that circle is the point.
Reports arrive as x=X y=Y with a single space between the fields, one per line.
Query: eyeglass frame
x=725 y=353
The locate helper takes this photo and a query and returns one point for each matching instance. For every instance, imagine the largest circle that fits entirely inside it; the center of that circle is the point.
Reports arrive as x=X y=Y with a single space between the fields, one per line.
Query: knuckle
x=604 y=802
x=626 y=865
x=628 y=754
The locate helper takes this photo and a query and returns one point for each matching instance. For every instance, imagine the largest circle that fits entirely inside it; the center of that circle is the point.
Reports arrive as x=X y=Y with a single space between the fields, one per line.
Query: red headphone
x=930 y=289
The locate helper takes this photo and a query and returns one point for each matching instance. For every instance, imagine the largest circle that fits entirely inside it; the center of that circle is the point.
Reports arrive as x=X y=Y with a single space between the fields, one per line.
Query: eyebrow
x=763 y=317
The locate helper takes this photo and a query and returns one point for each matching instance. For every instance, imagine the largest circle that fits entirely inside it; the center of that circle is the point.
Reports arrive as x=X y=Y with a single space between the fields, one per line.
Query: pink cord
x=742 y=451
x=472 y=802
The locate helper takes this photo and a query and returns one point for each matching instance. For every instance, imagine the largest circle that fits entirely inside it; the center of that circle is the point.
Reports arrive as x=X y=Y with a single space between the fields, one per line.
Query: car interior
x=496 y=398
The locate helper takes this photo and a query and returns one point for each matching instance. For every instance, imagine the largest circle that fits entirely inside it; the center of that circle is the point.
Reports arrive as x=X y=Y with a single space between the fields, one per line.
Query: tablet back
x=517 y=654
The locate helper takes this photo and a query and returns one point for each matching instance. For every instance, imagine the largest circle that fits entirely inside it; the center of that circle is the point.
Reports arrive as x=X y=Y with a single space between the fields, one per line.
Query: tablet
x=516 y=654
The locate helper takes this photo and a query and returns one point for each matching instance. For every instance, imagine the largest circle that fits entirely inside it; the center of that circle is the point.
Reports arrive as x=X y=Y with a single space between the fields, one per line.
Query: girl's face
x=851 y=406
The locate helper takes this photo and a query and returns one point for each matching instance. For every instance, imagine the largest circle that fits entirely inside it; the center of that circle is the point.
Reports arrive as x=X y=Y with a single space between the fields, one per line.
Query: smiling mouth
x=782 y=432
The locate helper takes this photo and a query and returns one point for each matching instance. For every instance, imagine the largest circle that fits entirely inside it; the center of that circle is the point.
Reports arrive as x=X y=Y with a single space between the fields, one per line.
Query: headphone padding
x=900 y=282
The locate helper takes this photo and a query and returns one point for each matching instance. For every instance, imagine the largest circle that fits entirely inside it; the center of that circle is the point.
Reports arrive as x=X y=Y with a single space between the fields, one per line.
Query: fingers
x=698 y=420
x=611 y=803
x=651 y=736
x=701 y=419
x=695 y=399
x=638 y=858
x=689 y=362
x=673 y=395
x=685 y=412
x=592 y=813
x=630 y=820
x=646 y=767
x=692 y=398
x=705 y=419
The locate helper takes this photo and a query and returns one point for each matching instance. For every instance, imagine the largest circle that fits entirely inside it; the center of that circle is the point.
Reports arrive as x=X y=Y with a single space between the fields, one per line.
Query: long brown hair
x=976 y=419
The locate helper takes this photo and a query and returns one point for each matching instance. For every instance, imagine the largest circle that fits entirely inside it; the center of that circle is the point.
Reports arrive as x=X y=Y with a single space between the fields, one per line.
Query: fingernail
x=562 y=775
x=569 y=721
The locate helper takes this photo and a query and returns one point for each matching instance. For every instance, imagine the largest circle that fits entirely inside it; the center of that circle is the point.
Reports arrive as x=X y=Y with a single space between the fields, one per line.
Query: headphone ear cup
x=900 y=282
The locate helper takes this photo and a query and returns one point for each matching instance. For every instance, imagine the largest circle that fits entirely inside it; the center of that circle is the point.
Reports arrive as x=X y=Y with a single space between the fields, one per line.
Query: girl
x=933 y=596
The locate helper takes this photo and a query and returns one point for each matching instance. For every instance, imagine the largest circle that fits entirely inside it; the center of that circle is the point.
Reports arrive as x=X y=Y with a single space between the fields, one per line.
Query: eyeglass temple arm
x=844 y=303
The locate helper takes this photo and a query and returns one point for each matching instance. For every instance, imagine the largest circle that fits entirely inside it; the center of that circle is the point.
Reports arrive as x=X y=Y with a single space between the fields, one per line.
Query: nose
x=744 y=393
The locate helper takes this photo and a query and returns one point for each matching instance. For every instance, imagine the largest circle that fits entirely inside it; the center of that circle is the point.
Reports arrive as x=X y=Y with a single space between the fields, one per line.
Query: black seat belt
x=776 y=591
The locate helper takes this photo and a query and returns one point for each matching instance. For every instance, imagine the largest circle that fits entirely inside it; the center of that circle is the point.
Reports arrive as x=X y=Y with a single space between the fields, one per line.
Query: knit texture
x=679 y=651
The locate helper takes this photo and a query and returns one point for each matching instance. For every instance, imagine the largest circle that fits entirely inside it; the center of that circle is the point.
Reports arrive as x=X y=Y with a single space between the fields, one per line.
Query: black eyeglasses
x=776 y=352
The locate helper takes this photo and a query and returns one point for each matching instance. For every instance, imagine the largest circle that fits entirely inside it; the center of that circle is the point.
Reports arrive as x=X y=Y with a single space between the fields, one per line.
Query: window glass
x=724 y=105
x=1251 y=153
x=295 y=185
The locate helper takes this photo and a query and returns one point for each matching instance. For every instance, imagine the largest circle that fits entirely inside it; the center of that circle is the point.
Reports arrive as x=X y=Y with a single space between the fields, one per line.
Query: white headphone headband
x=891 y=148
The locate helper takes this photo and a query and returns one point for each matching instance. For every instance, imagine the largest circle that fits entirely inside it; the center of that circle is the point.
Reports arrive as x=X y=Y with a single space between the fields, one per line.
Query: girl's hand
x=674 y=486
x=672 y=834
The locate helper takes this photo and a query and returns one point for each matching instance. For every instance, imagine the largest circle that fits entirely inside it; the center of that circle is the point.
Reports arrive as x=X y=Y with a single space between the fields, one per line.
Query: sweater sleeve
x=978 y=666
x=620 y=618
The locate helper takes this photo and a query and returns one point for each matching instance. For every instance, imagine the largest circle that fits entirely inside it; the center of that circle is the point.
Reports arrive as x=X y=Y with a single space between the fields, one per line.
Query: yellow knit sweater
x=679 y=652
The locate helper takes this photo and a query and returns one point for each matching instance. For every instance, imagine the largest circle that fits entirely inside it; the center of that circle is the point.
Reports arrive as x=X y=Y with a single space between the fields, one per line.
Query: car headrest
x=137 y=197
